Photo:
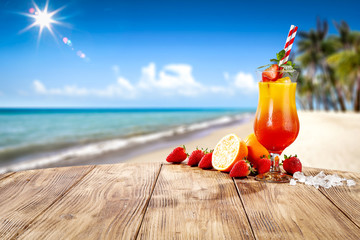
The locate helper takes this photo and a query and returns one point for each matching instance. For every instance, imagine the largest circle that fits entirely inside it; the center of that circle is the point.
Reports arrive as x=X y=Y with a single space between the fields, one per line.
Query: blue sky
x=149 y=53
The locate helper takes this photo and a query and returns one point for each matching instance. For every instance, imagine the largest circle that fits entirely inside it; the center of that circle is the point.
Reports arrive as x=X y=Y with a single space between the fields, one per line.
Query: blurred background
x=86 y=82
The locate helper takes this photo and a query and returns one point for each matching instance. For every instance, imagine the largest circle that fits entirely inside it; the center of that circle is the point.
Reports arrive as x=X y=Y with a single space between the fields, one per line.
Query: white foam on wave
x=94 y=149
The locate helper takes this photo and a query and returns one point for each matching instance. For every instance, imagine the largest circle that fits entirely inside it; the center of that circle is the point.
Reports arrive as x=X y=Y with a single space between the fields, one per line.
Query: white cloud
x=172 y=79
x=245 y=82
x=39 y=87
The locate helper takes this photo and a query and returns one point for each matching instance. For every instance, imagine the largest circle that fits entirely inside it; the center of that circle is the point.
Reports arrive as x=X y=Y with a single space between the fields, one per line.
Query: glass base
x=273 y=177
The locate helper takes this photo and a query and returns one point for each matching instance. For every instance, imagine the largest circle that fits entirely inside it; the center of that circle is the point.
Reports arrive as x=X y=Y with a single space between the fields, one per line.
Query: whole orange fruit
x=229 y=150
x=255 y=149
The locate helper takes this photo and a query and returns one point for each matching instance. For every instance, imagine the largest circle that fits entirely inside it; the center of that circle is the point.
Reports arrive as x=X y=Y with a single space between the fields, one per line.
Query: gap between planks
x=17 y=234
x=313 y=171
x=147 y=202
x=191 y=200
x=334 y=203
x=309 y=171
x=339 y=208
x=145 y=209
x=242 y=203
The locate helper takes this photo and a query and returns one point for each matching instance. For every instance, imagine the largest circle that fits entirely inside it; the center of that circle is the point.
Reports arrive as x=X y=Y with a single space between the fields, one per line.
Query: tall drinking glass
x=276 y=123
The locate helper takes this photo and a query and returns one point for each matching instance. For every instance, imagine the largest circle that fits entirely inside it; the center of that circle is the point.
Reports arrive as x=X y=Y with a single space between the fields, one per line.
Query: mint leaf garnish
x=289 y=66
x=280 y=54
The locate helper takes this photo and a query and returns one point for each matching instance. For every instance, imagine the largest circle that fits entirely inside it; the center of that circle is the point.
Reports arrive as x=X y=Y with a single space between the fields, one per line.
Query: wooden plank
x=347 y=199
x=190 y=203
x=108 y=203
x=26 y=195
x=5 y=175
x=282 y=211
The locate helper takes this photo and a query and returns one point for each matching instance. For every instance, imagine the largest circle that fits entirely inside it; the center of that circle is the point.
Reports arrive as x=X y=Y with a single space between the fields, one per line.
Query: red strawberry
x=271 y=73
x=292 y=164
x=205 y=162
x=263 y=165
x=177 y=155
x=195 y=157
x=240 y=169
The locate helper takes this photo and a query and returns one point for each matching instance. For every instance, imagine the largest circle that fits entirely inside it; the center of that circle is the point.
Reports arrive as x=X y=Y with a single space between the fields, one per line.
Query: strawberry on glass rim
x=274 y=70
x=271 y=74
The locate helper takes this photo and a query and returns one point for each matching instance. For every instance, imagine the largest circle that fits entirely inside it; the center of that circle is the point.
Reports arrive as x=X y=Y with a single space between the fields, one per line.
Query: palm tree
x=315 y=48
x=326 y=94
x=308 y=59
x=328 y=46
x=305 y=92
x=345 y=36
x=347 y=65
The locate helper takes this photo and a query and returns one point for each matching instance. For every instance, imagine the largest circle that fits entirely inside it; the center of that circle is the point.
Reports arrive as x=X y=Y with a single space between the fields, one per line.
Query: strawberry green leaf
x=252 y=170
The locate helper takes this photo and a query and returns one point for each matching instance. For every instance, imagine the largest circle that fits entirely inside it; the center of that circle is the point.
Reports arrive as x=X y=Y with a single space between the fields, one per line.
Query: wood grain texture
x=5 y=175
x=282 y=211
x=26 y=195
x=347 y=199
x=108 y=203
x=190 y=203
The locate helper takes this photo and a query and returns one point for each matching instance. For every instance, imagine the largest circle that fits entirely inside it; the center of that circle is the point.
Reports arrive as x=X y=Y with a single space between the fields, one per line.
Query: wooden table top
x=163 y=201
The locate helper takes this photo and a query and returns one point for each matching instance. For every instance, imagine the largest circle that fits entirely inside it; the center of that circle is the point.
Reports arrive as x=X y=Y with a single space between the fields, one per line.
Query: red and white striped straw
x=289 y=42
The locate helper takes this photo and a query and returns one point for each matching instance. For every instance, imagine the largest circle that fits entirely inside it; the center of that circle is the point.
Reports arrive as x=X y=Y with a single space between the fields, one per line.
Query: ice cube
x=321 y=174
x=292 y=182
x=334 y=180
x=321 y=180
x=326 y=185
x=300 y=176
x=350 y=183
x=309 y=180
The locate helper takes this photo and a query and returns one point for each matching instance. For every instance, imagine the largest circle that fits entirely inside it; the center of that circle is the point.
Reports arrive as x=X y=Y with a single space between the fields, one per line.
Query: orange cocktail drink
x=276 y=123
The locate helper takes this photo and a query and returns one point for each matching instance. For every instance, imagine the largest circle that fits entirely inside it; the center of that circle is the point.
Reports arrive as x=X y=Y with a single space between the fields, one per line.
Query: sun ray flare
x=42 y=19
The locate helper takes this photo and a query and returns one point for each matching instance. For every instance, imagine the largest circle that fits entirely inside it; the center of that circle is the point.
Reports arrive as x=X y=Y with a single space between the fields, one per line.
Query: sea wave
x=98 y=148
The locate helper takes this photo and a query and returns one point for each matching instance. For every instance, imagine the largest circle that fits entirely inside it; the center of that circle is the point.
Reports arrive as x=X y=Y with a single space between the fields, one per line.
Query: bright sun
x=43 y=18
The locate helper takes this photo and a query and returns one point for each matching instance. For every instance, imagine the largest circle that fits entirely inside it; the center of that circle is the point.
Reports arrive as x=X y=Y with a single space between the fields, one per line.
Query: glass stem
x=275 y=158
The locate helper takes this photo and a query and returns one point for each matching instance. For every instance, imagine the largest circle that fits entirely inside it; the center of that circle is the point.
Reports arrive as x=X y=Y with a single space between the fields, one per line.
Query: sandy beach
x=326 y=140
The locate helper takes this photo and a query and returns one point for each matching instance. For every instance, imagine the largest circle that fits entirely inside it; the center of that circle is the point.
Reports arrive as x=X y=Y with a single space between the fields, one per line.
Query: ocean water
x=51 y=135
